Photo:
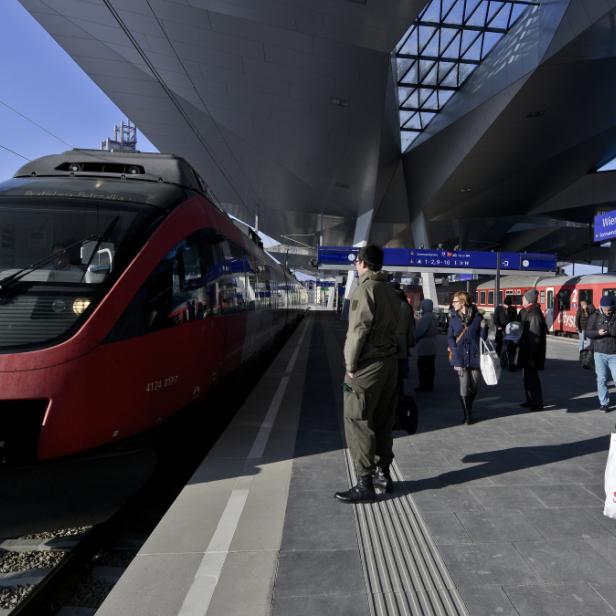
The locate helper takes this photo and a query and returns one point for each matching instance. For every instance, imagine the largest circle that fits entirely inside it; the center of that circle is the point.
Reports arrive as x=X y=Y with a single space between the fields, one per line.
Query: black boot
x=466 y=407
x=382 y=481
x=469 y=405
x=361 y=492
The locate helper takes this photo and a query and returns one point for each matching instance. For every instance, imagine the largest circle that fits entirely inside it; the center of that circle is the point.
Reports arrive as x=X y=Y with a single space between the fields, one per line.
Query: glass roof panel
x=444 y=46
x=478 y=18
x=609 y=166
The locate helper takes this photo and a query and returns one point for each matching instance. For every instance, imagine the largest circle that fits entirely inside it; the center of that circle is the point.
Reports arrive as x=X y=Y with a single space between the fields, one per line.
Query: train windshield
x=56 y=261
x=54 y=243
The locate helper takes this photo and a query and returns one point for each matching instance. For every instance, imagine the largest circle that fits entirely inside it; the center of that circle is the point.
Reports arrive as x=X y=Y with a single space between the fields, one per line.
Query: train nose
x=20 y=428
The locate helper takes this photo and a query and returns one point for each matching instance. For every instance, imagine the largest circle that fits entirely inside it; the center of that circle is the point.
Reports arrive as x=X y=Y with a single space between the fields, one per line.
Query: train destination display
x=415 y=259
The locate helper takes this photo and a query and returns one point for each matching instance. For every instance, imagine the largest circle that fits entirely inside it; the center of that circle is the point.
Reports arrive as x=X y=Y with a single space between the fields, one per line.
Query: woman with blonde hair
x=466 y=327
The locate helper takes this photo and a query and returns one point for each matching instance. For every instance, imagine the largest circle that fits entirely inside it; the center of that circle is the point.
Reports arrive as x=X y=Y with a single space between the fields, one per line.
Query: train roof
x=511 y=281
x=532 y=281
x=597 y=278
x=133 y=166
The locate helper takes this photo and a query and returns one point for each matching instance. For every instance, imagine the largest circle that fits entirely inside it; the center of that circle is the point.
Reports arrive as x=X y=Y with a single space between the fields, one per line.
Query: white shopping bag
x=610 y=480
x=489 y=363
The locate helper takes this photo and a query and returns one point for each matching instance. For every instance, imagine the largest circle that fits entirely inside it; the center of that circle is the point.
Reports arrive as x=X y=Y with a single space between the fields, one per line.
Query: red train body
x=106 y=336
x=559 y=296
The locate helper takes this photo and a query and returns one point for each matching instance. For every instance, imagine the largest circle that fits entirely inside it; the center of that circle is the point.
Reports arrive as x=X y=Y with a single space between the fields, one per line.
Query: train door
x=549 y=307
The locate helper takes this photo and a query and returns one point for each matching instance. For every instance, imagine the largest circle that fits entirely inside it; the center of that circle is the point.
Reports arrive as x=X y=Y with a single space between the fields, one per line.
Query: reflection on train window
x=176 y=292
x=564 y=299
x=550 y=302
x=609 y=292
x=585 y=295
x=542 y=297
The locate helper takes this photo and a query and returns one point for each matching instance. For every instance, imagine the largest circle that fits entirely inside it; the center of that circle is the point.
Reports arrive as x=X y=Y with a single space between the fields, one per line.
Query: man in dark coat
x=581 y=319
x=532 y=346
x=601 y=329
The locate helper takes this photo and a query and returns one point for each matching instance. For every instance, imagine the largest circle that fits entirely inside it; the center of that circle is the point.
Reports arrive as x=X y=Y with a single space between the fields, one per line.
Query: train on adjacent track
x=125 y=294
x=559 y=296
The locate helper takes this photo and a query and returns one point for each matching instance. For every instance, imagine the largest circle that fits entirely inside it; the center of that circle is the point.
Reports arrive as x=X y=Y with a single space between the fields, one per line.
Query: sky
x=42 y=82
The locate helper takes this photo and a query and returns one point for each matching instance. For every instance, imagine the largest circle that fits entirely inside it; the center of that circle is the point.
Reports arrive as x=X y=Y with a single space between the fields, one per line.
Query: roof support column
x=363 y=224
x=421 y=239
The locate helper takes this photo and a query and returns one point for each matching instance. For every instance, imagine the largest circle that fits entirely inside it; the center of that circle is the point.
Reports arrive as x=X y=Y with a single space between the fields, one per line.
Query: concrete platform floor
x=513 y=502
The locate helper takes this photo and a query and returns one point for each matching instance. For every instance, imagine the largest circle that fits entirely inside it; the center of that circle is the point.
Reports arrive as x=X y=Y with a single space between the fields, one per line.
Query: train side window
x=482 y=298
x=232 y=291
x=550 y=302
x=517 y=299
x=490 y=298
x=542 y=297
x=585 y=295
x=608 y=292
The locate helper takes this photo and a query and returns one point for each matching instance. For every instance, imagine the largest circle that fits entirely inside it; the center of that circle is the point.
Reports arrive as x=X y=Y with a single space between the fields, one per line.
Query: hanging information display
x=605 y=226
x=416 y=259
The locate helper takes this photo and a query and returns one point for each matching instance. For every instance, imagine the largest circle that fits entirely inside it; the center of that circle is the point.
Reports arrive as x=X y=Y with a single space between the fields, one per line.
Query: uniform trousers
x=370 y=402
x=532 y=386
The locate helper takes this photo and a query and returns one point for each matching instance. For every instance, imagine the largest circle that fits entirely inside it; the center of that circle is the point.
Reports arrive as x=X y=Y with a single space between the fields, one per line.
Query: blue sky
x=42 y=82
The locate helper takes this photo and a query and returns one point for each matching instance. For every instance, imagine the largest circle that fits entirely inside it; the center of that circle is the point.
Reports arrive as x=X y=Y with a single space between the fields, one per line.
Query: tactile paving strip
x=404 y=571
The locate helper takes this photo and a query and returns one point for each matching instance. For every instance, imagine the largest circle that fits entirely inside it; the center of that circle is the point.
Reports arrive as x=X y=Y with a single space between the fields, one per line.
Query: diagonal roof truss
x=441 y=49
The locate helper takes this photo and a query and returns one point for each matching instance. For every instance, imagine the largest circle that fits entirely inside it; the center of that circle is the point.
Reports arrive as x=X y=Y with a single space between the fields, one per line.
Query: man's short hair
x=372 y=256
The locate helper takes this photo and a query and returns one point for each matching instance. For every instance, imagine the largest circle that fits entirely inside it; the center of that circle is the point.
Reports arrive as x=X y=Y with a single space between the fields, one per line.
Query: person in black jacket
x=581 y=319
x=532 y=346
x=503 y=315
x=601 y=329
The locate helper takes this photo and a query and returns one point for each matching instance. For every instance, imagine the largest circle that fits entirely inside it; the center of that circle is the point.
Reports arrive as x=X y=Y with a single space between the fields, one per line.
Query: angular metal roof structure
x=291 y=110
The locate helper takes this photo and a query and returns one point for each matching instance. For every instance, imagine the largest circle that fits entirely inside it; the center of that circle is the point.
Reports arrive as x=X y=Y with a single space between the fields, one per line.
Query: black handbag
x=587 y=359
x=406 y=414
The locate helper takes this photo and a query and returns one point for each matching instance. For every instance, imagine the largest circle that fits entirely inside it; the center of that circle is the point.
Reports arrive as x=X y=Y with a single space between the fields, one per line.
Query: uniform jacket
x=405 y=332
x=373 y=321
x=427 y=330
x=597 y=321
x=581 y=317
x=532 y=341
x=466 y=353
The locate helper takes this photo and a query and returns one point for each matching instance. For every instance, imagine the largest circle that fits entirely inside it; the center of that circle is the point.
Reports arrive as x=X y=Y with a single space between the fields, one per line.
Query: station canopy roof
x=477 y=123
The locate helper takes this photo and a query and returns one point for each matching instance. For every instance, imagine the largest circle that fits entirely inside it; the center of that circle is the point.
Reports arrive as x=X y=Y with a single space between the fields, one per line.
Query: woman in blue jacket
x=466 y=327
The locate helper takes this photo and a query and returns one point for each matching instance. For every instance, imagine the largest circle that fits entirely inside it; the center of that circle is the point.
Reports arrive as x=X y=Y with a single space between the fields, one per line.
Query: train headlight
x=80 y=304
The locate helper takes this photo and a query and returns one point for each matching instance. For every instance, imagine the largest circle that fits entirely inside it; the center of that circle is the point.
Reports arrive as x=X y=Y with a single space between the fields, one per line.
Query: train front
x=64 y=243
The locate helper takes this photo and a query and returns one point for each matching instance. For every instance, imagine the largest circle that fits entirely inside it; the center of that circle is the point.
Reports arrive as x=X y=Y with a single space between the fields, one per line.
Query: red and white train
x=125 y=293
x=559 y=296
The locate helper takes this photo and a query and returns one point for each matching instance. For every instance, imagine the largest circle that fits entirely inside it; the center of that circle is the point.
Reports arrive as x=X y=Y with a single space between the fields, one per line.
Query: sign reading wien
x=605 y=226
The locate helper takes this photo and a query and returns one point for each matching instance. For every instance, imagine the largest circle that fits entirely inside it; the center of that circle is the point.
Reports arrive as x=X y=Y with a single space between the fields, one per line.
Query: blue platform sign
x=605 y=226
x=344 y=257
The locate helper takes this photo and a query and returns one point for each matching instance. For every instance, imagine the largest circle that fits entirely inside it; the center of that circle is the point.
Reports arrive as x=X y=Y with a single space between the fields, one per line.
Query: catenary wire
x=14 y=152
x=25 y=117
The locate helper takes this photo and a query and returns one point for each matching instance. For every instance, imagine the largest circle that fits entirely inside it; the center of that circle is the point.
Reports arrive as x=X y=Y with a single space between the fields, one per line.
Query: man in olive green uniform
x=370 y=393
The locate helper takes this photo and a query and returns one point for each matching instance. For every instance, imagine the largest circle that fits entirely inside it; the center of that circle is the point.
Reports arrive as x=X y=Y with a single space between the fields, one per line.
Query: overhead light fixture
x=339 y=102
x=466 y=189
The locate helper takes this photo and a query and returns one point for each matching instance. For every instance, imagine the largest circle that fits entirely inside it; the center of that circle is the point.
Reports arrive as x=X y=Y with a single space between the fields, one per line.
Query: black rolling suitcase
x=406 y=414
